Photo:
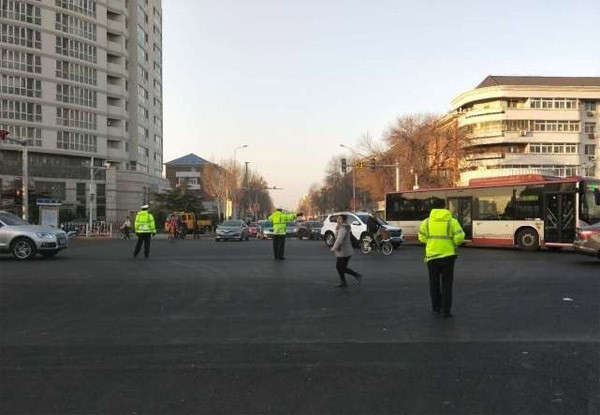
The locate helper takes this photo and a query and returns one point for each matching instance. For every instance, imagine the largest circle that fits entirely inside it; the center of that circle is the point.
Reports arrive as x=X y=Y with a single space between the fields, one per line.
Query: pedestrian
x=172 y=227
x=442 y=234
x=145 y=229
x=279 y=219
x=343 y=250
x=126 y=228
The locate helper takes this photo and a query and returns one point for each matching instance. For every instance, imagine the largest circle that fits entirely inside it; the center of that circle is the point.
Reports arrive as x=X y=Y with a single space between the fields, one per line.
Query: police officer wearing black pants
x=442 y=234
x=144 y=228
x=279 y=219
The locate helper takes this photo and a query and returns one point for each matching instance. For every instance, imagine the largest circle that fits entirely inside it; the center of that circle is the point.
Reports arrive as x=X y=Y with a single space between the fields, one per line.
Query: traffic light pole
x=25 y=172
x=25 y=184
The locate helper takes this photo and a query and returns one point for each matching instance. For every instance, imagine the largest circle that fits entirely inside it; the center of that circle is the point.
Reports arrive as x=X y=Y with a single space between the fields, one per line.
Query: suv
x=23 y=240
x=358 y=225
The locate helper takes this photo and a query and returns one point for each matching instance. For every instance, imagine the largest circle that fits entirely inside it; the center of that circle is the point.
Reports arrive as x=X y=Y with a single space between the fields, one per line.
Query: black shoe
x=436 y=312
x=342 y=285
x=282 y=258
x=448 y=315
x=358 y=278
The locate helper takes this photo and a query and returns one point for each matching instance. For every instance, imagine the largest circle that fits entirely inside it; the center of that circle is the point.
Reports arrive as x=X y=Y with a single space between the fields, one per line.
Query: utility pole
x=397 y=175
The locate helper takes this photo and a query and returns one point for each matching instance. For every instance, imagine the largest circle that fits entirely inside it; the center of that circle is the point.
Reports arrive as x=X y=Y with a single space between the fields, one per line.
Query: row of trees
x=237 y=190
x=421 y=147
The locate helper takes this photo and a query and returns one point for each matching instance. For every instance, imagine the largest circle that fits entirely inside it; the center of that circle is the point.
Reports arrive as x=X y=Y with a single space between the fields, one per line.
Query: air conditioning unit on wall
x=591 y=136
x=590 y=113
x=523 y=133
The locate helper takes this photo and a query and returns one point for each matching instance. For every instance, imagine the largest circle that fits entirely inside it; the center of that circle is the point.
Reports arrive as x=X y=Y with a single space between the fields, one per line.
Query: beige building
x=81 y=85
x=530 y=124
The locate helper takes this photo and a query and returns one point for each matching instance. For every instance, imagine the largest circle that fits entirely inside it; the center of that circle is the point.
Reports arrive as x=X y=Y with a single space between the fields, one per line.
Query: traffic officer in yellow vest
x=144 y=228
x=442 y=234
x=279 y=219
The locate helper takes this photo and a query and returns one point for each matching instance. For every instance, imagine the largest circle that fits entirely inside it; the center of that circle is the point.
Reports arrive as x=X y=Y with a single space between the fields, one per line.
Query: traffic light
x=372 y=165
x=360 y=164
x=4 y=134
x=344 y=166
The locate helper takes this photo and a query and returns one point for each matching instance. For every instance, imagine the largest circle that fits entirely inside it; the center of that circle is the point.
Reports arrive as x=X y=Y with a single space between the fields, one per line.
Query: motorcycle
x=368 y=244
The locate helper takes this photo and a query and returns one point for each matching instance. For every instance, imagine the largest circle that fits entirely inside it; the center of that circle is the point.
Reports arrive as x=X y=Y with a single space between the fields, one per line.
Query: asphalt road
x=222 y=328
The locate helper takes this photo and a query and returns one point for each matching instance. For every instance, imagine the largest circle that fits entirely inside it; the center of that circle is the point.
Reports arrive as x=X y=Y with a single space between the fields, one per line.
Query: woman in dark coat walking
x=342 y=248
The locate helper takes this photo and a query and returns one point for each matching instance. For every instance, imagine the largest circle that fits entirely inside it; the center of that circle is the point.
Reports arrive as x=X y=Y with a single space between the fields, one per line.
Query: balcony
x=116 y=90
x=116 y=132
x=190 y=174
x=116 y=110
x=115 y=67
x=116 y=6
x=116 y=47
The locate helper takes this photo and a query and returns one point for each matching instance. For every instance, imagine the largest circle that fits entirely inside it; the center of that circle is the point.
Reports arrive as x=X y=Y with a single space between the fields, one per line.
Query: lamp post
x=353 y=179
x=93 y=171
x=234 y=166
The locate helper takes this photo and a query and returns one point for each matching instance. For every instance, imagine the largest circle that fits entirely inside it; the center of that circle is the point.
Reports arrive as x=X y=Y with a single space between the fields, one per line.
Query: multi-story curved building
x=516 y=124
x=81 y=87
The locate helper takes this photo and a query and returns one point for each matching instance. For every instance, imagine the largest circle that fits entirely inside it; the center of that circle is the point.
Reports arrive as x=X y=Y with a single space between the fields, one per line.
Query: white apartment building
x=530 y=124
x=81 y=86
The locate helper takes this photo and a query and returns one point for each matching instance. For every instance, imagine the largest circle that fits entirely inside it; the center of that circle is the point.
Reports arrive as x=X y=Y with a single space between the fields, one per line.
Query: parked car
x=253 y=230
x=265 y=229
x=310 y=229
x=232 y=229
x=24 y=240
x=587 y=240
x=358 y=226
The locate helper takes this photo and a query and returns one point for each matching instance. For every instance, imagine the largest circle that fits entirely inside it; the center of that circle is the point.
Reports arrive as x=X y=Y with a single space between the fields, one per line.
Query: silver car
x=232 y=229
x=24 y=240
x=588 y=240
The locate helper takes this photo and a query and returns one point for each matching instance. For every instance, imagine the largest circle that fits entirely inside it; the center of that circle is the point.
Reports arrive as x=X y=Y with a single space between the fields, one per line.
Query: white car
x=358 y=225
x=23 y=240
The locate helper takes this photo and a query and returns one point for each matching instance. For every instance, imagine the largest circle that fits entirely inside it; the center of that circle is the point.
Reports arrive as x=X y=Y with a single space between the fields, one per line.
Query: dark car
x=311 y=229
x=232 y=229
x=290 y=229
x=588 y=240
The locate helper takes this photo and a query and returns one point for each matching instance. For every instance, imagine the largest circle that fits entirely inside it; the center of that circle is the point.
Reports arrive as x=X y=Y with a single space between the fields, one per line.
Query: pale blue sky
x=293 y=79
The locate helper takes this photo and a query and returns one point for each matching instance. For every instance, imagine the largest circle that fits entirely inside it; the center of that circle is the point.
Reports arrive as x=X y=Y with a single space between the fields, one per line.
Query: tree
x=179 y=199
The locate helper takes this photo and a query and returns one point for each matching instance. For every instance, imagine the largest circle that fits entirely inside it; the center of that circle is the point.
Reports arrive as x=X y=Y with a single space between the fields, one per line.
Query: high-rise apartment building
x=81 y=87
x=518 y=124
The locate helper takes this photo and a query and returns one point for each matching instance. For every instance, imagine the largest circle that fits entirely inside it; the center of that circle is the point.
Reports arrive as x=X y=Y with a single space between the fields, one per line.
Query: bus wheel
x=528 y=239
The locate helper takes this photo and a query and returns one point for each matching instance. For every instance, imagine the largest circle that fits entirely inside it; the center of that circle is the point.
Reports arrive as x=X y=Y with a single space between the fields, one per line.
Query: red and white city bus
x=528 y=211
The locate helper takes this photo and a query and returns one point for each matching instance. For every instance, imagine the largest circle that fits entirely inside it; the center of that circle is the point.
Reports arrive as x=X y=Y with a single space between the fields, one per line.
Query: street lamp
x=235 y=151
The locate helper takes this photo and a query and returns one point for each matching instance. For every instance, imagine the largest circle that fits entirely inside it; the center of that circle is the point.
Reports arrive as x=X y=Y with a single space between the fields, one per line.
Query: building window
x=20 y=11
x=68 y=140
x=590 y=106
x=18 y=85
x=553 y=148
x=589 y=127
x=21 y=36
x=20 y=61
x=85 y=7
x=70 y=24
x=20 y=110
x=589 y=150
x=75 y=95
x=76 y=49
x=33 y=135
x=76 y=72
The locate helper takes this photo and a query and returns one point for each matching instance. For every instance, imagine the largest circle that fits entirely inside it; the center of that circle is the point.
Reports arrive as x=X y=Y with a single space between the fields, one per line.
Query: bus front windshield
x=590 y=202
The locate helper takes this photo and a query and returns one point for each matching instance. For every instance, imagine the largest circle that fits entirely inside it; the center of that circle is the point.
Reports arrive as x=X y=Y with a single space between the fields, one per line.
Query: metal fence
x=99 y=229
